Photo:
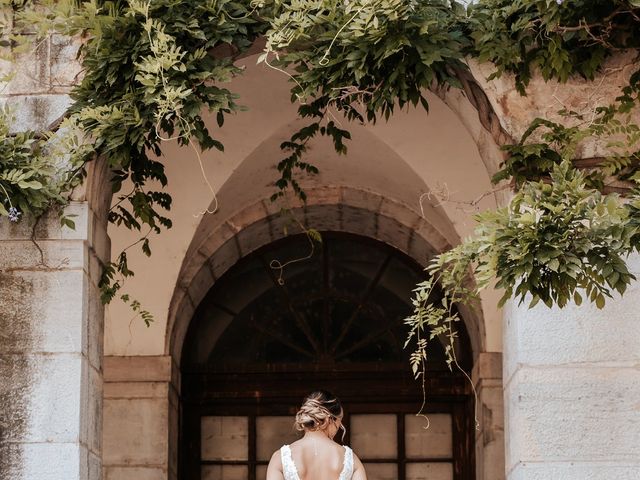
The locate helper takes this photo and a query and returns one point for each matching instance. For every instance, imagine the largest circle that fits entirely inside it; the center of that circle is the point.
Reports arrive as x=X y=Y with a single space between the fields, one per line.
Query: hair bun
x=317 y=410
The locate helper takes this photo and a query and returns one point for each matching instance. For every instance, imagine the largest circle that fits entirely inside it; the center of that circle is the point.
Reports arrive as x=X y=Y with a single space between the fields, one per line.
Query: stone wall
x=572 y=385
x=140 y=418
x=37 y=93
x=51 y=324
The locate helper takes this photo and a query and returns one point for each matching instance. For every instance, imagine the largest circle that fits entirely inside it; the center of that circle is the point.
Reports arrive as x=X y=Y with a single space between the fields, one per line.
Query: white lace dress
x=291 y=472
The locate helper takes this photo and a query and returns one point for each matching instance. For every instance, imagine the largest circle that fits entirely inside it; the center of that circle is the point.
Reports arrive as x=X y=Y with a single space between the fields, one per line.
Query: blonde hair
x=317 y=411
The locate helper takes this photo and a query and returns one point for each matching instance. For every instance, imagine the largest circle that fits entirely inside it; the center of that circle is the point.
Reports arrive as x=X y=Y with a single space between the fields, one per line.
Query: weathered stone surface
x=545 y=99
x=52 y=311
x=578 y=413
x=576 y=471
x=487 y=375
x=136 y=389
x=50 y=377
x=51 y=461
x=135 y=432
x=48 y=227
x=134 y=473
x=29 y=72
x=574 y=335
x=65 y=70
x=571 y=388
x=137 y=369
x=36 y=112
x=55 y=398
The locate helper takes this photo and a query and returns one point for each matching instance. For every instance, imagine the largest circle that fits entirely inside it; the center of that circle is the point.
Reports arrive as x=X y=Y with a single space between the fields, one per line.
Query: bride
x=316 y=456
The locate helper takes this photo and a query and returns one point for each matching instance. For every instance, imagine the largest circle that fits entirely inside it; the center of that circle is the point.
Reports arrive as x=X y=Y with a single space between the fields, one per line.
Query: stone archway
x=340 y=209
x=336 y=209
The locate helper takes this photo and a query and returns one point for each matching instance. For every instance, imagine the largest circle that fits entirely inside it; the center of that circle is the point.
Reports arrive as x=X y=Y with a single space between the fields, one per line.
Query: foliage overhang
x=151 y=68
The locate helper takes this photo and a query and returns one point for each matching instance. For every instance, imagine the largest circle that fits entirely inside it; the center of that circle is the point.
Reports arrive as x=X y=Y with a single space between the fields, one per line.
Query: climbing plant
x=151 y=68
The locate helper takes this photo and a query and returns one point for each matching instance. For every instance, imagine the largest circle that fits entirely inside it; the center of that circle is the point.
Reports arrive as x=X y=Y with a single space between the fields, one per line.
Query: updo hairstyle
x=317 y=411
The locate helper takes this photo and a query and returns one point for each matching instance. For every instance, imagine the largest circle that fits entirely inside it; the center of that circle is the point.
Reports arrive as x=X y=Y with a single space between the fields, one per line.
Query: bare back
x=312 y=458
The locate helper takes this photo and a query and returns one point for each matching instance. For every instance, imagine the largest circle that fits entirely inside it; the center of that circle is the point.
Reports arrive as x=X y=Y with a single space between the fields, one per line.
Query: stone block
x=30 y=71
x=225 y=257
x=55 y=408
x=130 y=390
x=201 y=284
x=180 y=320
x=51 y=461
x=324 y=195
x=36 y=112
x=357 y=220
x=15 y=390
x=254 y=236
x=65 y=67
x=399 y=212
x=42 y=311
x=45 y=255
x=361 y=199
x=420 y=250
x=393 y=233
x=248 y=216
x=98 y=238
x=543 y=336
x=434 y=237
x=95 y=467
x=137 y=369
x=48 y=226
x=575 y=471
x=320 y=217
x=578 y=413
x=135 y=432
x=216 y=240
x=91 y=409
x=488 y=365
x=95 y=327
x=134 y=473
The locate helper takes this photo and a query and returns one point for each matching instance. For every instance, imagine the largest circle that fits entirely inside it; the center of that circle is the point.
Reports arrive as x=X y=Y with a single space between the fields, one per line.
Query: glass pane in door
x=224 y=438
x=261 y=472
x=272 y=433
x=429 y=471
x=224 y=472
x=381 y=471
x=432 y=442
x=374 y=436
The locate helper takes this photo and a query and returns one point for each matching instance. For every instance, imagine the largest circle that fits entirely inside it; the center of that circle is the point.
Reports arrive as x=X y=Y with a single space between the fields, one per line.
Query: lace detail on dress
x=291 y=472
x=288 y=467
x=347 y=467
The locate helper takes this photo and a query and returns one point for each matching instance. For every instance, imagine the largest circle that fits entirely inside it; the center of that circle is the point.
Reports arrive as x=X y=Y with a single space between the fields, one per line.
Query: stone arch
x=341 y=209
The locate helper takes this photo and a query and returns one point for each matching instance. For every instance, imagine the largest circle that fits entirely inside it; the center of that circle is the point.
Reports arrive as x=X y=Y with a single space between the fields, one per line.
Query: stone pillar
x=140 y=418
x=572 y=390
x=487 y=377
x=51 y=337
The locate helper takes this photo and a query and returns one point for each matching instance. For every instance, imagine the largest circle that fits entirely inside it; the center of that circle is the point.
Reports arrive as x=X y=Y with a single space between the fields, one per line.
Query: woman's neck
x=316 y=434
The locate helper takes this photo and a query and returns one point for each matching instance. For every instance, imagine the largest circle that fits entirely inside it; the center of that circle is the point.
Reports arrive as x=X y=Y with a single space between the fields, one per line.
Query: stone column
x=487 y=377
x=140 y=418
x=51 y=337
x=572 y=390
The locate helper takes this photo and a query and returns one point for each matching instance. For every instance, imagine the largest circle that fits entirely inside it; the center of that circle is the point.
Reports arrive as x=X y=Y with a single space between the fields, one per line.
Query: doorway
x=332 y=319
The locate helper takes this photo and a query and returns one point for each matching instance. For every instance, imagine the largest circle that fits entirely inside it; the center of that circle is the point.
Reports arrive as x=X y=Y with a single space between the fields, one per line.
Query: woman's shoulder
x=277 y=455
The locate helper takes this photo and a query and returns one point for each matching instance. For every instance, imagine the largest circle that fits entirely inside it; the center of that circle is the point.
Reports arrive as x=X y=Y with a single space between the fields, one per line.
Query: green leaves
x=556 y=39
x=30 y=177
x=555 y=242
x=153 y=67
